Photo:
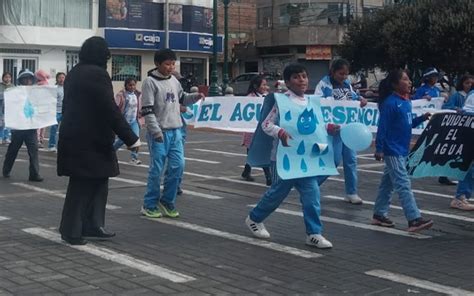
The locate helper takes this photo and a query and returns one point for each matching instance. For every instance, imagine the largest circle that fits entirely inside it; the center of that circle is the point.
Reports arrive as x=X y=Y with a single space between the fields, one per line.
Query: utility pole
x=225 y=80
x=167 y=24
x=214 y=88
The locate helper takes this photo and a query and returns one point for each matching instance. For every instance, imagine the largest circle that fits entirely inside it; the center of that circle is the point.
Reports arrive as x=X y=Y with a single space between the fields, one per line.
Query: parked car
x=371 y=93
x=240 y=84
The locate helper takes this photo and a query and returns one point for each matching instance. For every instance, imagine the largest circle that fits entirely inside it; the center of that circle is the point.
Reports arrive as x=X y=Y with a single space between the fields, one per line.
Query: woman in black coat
x=85 y=148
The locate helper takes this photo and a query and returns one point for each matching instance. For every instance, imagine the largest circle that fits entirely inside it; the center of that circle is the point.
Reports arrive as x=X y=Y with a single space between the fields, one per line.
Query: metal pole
x=167 y=24
x=214 y=88
x=225 y=80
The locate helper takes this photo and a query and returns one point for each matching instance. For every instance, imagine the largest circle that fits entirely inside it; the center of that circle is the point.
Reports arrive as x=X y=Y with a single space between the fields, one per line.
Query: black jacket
x=90 y=120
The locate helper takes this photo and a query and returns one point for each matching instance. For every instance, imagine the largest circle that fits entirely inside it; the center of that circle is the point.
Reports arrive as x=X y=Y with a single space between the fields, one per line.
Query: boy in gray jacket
x=162 y=95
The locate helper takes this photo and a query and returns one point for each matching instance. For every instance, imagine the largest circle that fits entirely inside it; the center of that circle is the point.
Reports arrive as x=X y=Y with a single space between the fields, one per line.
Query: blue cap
x=430 y=72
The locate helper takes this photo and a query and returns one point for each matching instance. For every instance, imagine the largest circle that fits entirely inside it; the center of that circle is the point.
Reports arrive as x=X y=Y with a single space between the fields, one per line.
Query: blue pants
x=171 y=152
x=5 y=133
x=465 y=185
x=274 y=196
x=349 y=161
x=119 y=143
x=395 y=177
x=53 y=131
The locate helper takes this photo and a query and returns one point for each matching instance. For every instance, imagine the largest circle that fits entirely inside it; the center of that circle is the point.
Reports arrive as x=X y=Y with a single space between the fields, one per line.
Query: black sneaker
x=382 y=221
x=446 y=181
x=419 y=224
x=180 y=191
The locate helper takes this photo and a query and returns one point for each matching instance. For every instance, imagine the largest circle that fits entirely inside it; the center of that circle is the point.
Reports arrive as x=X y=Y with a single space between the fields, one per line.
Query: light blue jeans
x=53 y=131
x=119 y=143
x=274 y=196
x=171 y=153
x=465 y=185
x=349 y=161
x=395 y=177
x=5 y=133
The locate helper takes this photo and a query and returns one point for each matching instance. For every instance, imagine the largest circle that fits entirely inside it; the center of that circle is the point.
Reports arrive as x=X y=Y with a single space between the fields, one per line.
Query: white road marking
x=221 y=152
x=3 y=218
x=253 y=168
x=357 y=224
x=370 y=171
x=432 y=213
x=187 y=192
x=55 y=193
x=370 y=165
x=432 y=193
x=116 y=257
x=423 y=284
x=191 y=159
x=240 y=238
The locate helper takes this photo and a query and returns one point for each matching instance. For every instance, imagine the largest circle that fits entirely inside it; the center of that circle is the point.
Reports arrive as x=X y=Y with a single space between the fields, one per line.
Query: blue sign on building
x=153 y=40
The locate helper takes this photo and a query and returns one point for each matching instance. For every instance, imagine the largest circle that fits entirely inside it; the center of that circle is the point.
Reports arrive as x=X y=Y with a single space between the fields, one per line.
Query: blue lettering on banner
x=339 y=115
x=204 y=115
x=215 y=112
x=237 y=114
x=259 y=110
x=248 y=112
x=351 y=114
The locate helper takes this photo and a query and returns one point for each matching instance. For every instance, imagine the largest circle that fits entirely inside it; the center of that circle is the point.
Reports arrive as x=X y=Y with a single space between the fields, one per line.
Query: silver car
x=241 y=83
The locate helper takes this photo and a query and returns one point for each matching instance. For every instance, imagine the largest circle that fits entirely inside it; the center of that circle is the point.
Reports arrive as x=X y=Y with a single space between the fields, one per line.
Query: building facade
x=48 y=34
x=304 y=31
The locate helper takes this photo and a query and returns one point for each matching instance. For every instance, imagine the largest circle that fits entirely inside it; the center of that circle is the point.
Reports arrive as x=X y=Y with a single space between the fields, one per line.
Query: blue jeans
x=274 y=196
x=53 y=131
x=465 y=185
x=171 y=152
x=395 y=177
x=119 y=143
x=5 y=133
x=349 y=160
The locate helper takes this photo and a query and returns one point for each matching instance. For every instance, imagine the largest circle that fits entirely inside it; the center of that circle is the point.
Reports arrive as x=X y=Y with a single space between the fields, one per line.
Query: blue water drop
x=286 y=163
x=28 y=109
x=288 y=116
x=325 y=151
x=304 y=167
x=301 y=149
x=321 y=163
x=315 y=149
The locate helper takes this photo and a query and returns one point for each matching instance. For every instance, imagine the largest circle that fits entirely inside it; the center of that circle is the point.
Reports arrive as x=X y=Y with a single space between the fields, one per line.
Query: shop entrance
x=193 y=72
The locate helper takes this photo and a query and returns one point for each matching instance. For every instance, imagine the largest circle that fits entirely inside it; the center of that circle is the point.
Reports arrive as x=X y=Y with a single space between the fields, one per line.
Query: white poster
x=30 y=107
x=241 y=114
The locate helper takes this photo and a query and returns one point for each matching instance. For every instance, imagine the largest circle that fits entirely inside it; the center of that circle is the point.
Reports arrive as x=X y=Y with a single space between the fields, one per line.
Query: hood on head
x=25 y=73
x=94 y=51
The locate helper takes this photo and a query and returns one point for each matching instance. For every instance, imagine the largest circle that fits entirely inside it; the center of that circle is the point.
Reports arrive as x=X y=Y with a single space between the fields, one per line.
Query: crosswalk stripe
x=116 y=257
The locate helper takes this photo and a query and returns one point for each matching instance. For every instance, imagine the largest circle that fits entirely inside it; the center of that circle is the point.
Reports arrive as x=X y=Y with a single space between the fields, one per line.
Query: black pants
x=84 y=207
x=30 y=139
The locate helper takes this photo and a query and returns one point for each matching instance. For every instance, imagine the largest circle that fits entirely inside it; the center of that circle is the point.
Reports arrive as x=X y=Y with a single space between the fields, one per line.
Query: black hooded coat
x=90 y=117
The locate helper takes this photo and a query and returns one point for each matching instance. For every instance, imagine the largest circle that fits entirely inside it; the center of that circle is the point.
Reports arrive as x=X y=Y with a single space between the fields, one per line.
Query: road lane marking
x=116 y=257
x=239 y=238
x=191 y=159
x=187 y=192
x=3 y=218
x=423 y=284
x=263 y=185
x=432 y=213
x=357 y=224
x=220 y=152
x=55 y=193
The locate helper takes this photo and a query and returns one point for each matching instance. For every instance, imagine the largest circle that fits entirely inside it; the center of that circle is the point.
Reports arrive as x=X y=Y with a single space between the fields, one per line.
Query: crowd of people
x=94 y=123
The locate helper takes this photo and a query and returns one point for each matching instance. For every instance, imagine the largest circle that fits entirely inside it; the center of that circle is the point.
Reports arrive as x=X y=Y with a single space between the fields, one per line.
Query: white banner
x=30 y=107
x=241 y=114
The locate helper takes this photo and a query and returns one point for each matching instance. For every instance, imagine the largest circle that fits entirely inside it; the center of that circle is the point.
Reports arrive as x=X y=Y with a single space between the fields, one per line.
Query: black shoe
x=36 y=179
x=419 y=224
x=100 y=232
x=246 y=173
x=180 y=191
x=382 y=221
x=75 y=241
x=268 y=182
x=445 y=181
x=6 y=175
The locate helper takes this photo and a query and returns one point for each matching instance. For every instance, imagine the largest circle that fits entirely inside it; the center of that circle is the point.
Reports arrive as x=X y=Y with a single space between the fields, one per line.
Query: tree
x=414 y=35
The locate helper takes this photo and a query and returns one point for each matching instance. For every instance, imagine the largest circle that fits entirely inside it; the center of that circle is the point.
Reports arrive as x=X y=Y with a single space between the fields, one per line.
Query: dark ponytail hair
x=387 y=85
x=255 y=83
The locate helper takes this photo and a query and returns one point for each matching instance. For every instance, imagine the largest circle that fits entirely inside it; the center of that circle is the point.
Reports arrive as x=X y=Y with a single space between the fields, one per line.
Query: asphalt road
x=209 y=250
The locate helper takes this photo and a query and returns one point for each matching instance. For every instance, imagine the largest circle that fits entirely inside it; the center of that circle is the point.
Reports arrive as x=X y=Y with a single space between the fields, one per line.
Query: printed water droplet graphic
x=288 y=116
x=321 y=163
x=301 y=149
x=286 y=163
x=304 y=167
x=28 y=109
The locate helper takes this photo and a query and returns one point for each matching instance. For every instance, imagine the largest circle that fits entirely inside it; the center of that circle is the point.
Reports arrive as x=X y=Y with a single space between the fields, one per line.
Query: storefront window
x=264 y=16
x=126 y=66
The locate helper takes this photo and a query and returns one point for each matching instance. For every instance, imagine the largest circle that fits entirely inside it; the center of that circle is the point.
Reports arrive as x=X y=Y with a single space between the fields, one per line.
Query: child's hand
x=284 y=137
x=158 y=137
x=378 y=156
x=426 y=116
x=363 y=102
x=183 y=109
x=333 y=129
x=200 y=96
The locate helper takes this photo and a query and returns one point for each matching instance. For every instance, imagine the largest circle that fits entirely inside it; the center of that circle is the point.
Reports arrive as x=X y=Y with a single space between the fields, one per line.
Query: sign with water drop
x=310 y=152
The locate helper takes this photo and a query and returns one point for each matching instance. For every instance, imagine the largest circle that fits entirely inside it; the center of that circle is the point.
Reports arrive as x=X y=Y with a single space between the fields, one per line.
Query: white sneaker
x=52 y=149
x=257 y=229
x=353 y=199
x=318 y=241
x=135 y=161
